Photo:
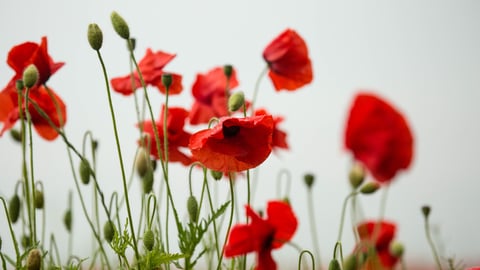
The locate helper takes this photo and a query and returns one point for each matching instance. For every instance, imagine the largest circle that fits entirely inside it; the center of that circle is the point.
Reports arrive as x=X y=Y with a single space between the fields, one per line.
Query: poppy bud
x=356 y=175
x=369 y=188
x=67 y=220
x=120 y=26
x=14 y=208
x=148 y=240
x=309 y=179
x=109 y=231
x=351 y=262
x=95 y=145
x=236 y=101
x=228 y=70
x=84 y=170
x=25 y=241
x=192 y=208
x=19 y=84
x=39 y=199
x=131 y=43
x=16 y=135
x=147 y=181
x=334 y=265
x=95 y=36
x=34 y=259
x=397 y=249
x=426 y=210
x=30 y=76
x=167 y=80
x=216 y=174
x=142 y=162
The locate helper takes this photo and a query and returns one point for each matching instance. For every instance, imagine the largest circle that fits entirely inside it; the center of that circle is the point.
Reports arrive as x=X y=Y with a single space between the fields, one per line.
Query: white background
x=423 y=56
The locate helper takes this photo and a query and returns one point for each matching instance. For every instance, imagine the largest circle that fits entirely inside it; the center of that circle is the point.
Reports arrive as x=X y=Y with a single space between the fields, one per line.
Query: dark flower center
x=229 y=132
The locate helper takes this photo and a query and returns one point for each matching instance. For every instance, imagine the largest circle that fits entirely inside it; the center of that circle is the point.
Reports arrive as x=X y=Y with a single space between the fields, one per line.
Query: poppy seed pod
x=426 y=210
x=109 y=231
x=30 y=76
x=309 y=179
x=356 y=175
x=67 y=220
x=167 y=80
x=192 y=208
x=39 y=199
x=14 y=208
x=369 y=188
x=142 y=162
x=228 y=70
x=84 y=170
x=236 y=101
x=120 y=25
x=334 y=265
x=34 y=259
x=95 y=36
x=148 y=240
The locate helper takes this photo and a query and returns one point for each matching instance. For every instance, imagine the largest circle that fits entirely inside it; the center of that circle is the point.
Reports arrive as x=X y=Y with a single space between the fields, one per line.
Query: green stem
x=232 y=208
x=342 y=217
x=32 y=176
x=432 y=245
x=301 y=256
x=12 y=234
x=257 y=87
x=313 y=226
x=215 y=233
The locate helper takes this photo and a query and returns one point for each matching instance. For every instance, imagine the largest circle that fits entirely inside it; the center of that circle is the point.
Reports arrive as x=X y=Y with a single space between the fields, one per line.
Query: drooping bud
x=356 y=175
x=14 y=208
x=351 y=262
x=120 y=25
x=16 y=135
x=216 y=174
x=67 y=220
x=142 y=162
x=426 y=210
x=167 y=80
x=39 y=199
x=369 y=188
x=19 y=84
x=228 y=71
x=309 y=179
x=149 y=239
x=30 y=76
x=334 y=265
x=95 y=36
x=84 y=170
x=109 y=231
x=192 y=208
x=34 y=259
x=397 y=249
x=147 y=181
x=236 y=101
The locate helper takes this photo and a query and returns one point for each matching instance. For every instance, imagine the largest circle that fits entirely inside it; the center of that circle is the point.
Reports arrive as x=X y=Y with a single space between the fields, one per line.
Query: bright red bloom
x=151 y=66
x=289 y=64
x=378 y=235
x=279 y=137
x=209 y=91
x=378 y=136
x=235 y=144
x=263 y=235
x=20 y=57
x=178 y=138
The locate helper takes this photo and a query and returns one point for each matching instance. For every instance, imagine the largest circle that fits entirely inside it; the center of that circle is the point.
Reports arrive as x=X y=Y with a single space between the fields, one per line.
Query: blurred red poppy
x=279 y=137
x=20 y=57
x=151 y=66
x=378 y=235
x=177 y=137
x=263 y=235
x=235 y=144
x=210 y=94
x=378 y=136
x=289 y=64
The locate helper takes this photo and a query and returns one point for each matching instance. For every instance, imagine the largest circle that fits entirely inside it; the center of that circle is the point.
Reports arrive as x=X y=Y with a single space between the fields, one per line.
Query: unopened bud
x=67 y=220
x=142 y=162
x=109 y=231
x=167 y=80
x=228 y=71
x=236 y=101
x=192 y=208
x=397 y=249
x=149 y=239
x=426 y=210
x=84 y=170
x=14 y=208
x=351 y=262
x=16 y=135
x=334 y=265
x=34 y=259
x=356 y=175
x=120 y=26
x=95 y=36
x=19 y=84
x=369 y=188
x=216 y=174
x=25 y=241
x=147 y=181
x=39 y=199
x=30 y=76
x=309 y=179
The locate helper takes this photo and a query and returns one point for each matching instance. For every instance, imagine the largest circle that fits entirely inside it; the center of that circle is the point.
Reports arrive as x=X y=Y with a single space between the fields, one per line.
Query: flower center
x=229 y=132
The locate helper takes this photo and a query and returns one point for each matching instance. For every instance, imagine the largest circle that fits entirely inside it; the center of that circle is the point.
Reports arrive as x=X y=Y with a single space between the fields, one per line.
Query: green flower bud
x=228 y=71
x=14 y=208
x=334 y=265
x=34 y=259
x=369 y=188
x=95 y=145
x=109 y=231
x=95 y=36
x=192 y=208
x=16 y=135
x=397 y=249
x=84 y=170
x=351 y=262
x=236 y=101
x=39 y=199
x=147 y=181
x=426 y=210
x=167 y=80
x=67 y=220
x=142 y=162
x=356 y=175
x=25 y=241
x=309 y=179
x=131 y=43
x=149 y=239
x=120 y=26
x=19 y=85
x=216 y=174
x=30 y=76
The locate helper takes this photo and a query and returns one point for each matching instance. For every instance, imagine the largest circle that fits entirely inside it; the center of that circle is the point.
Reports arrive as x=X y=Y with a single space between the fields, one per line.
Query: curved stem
x=342 y=217
x=432 y=245
x=12 y=234
x=301 y=256
x=255 y=91
x=232 y=208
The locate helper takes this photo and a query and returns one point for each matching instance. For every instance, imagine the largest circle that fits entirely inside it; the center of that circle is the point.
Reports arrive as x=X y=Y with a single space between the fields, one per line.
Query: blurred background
x=422 y=56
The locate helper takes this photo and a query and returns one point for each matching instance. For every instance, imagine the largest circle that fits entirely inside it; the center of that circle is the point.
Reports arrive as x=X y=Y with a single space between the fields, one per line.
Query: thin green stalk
x=432 y=245
x=301 y=256
x=342 y=217
x=232 y=208
x=119 y=152
x=215 y=232
x=12 y=234
x=70 y=234
x=256 y=89
x=32 y=175
x=313 y=226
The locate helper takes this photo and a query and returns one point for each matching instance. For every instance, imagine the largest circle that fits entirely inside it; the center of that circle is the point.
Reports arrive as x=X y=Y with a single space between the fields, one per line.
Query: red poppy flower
x=235 y=144
x=19 y=58
x=263 y=235
x=378 y=235
x=279 y=137
x=177 y=137
x=289 y=64
x=209 y=91
x=151 y=66
x=378 y=136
